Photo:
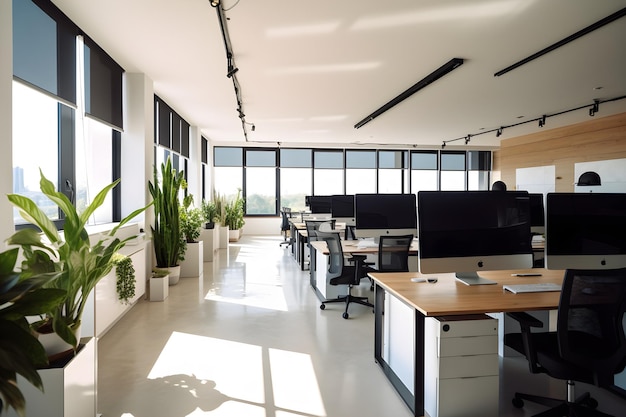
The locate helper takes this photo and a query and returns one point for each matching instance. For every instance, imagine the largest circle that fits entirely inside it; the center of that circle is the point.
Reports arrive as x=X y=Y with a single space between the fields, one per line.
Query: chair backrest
x=313 y=226
x=393 y=253
x=590 y=323
x=286 y=214
x=335 y=257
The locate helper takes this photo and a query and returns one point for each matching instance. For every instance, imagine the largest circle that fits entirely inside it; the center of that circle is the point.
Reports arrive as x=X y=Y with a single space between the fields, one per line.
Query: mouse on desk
x=429 y=280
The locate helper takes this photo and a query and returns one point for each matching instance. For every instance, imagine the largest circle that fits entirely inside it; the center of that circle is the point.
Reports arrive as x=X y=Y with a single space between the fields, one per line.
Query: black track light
x=231 y=71
x=542 y=121
x=499 y=132
x=215 y=3
x=594 y=108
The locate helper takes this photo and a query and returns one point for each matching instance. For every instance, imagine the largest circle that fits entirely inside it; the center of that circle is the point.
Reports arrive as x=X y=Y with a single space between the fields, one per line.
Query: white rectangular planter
x=211 y=243
x=223 y=237
x=192 y=266
x=70 y=391
x=159 y=288
x=233 y=235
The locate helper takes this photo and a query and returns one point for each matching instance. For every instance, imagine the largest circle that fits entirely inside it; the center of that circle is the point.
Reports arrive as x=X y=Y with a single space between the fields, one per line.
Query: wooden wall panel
x=596 y=140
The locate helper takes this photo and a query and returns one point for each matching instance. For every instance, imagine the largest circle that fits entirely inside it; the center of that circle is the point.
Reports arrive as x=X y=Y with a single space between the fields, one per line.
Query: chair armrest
x=527 y=322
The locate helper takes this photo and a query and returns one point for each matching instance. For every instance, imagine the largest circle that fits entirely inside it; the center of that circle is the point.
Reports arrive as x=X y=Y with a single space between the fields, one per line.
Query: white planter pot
x=174 y=274
x=233 y=235
x=210 y=239
x=193 y=263
x=54 y=345
x=223 y=237
x=159 y=288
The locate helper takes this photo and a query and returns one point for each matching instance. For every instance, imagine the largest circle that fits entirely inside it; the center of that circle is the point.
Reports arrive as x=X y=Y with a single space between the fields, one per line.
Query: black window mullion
x=67 y=156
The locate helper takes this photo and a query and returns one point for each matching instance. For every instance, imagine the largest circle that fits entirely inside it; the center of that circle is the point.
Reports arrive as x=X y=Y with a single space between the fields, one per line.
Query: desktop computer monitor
x=320 y=204
x=385 y=214
x=537 y=214
x=585 y=230
x=466 y=232
x=342 y=209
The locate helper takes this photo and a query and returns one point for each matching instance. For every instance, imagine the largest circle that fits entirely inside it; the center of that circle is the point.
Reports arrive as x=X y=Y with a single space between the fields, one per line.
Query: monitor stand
x=472 y=278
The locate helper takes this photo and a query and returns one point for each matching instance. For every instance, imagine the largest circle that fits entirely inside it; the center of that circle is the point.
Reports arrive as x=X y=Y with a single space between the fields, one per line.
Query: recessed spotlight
x=520 y=117
x=598 y=88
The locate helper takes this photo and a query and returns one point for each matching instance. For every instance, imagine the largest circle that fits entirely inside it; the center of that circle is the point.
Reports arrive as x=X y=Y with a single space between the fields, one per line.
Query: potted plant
x=159 y=284
x=80 y=263
x=167 y=239
x=209 y=213
x=191 y=220
x=220 y=207
x=234 y=212
x=125 y=278
x=22 y=295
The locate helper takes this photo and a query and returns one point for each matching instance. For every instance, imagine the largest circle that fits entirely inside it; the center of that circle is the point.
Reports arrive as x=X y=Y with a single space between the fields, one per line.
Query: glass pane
x=261 y=158
x=328 y=181
x=295 y=184
x=228 y=180
x=328 y=159
x=452 y=180
x=94 y=154
x=453 y=161
x=479 y=160
x=228 y=157
x=35 y=146
x=260 y=190
x=391 y=159
x=360 y=181
x=423 y=180
x=295 y=158
x=390 y=181
x=360 y=159
x=423 y=160
x=477 y=180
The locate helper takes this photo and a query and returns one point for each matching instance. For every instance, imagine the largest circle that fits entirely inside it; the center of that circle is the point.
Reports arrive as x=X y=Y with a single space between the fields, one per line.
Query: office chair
x=393 y=254
x=588 y=346
x=341 y=274
x=285 y=227
x=313 y=226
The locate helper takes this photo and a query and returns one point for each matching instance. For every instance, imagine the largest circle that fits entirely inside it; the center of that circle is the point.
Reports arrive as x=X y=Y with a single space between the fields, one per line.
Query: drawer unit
x=461 y=366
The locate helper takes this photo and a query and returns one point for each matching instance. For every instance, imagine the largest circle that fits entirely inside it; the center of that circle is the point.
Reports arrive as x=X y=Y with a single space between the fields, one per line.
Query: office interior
x=541 y=135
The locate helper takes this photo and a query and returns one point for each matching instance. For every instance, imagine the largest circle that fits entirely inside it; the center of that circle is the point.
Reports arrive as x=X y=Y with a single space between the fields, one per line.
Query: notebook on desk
x=539 y=287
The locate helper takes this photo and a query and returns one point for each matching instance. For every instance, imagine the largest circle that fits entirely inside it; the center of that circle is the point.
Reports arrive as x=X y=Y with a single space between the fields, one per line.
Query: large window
x=287 y=175
x=67 y=111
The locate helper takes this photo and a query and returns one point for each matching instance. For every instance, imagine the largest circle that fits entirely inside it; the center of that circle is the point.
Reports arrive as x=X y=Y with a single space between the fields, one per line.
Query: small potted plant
x=209 y=213
x=191 y=220
x=234 y=212
x=159 y=284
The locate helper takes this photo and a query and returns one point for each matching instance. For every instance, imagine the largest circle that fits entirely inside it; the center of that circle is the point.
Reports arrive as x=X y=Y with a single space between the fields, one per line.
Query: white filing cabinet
x=461 y=366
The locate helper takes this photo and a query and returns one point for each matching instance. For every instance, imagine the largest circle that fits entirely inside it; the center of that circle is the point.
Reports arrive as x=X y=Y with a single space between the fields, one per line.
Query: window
x=360 y=172
x=478 y=170
x=452 y=171
x=296 y=177
x=228 y=163
x=392 y=175
x=328 y=172
x=424 y=171
x=260 y=185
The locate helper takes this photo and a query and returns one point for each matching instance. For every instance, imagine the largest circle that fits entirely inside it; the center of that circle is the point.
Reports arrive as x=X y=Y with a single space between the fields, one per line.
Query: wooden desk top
x=450 y=297
x=349 y=247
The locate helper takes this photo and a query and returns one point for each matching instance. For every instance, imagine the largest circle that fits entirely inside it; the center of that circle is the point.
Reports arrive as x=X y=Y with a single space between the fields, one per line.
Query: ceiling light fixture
x=499 y=132
x=467 y=139
x=542 y=121
x=430 y=78
x=215 y=3
x=594 y=108
x=602 y=22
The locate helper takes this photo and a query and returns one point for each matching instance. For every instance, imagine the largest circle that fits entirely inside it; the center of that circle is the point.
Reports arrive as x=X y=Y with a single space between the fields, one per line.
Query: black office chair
x=312 y=227
x=393 y=254
x=285 y=227
x=588 y=346
x=340 y=273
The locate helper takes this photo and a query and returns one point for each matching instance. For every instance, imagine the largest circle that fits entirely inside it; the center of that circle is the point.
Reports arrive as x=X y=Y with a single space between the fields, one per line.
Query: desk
x=319 y=262
x=446 y=298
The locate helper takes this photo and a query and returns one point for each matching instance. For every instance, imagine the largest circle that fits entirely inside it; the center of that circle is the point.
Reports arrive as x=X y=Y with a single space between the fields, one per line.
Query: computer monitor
x=385 y=214
x=537 y=214
x=466 y=232
x=585 y=230
x=342 y=209
x=320 y=204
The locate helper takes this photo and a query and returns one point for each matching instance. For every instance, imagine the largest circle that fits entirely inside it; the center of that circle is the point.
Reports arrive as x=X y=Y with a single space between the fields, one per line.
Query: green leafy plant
x=209 y=211
x=220 y=204
x=21 y=295
x=191 y=219
x=125 y=278
x=80 y=264
x=166 y=235
x=234 y=212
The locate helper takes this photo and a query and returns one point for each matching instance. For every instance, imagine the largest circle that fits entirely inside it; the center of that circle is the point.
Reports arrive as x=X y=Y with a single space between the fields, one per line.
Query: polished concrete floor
x=247 y=339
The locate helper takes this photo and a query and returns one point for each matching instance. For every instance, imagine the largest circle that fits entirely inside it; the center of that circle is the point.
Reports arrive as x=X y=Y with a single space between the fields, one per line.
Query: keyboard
x=540 y=287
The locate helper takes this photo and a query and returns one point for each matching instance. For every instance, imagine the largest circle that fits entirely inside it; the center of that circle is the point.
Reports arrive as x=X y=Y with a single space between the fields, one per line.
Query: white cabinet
x=461 y=366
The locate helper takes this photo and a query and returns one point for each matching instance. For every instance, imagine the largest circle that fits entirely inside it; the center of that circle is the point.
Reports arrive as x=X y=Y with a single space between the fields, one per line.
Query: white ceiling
x=310 y=70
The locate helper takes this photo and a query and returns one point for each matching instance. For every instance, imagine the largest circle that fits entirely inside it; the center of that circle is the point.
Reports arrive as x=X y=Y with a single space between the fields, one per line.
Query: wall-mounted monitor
x=385 y=214
x=342 y=209
x=466 y=232
x=585 y=230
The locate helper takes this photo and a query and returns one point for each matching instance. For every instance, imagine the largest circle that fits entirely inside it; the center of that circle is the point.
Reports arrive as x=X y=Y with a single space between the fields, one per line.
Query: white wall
x=6 y=116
